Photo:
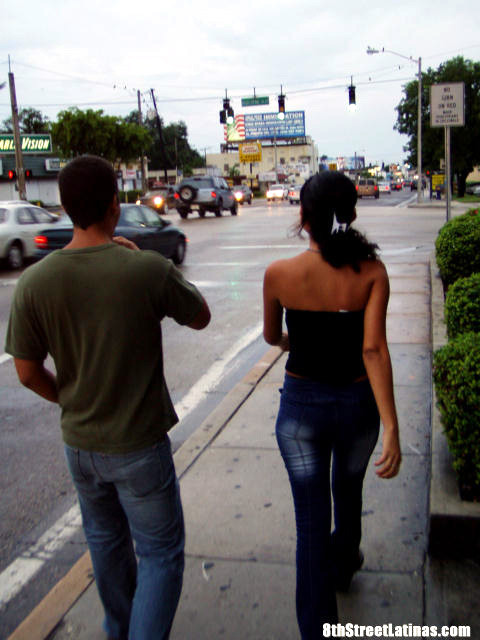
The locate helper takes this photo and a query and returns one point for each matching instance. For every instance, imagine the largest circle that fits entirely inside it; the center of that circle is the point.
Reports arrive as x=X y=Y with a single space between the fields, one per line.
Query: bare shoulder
x=276 y=269
x=375 y=270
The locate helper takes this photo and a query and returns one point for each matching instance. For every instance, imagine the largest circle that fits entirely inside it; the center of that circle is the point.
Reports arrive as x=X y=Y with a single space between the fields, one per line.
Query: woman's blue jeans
x=124 y=497
x=325 y=432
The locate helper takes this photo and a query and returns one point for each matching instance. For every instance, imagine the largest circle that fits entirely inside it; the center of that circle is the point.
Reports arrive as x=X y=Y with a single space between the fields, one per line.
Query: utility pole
x=162 y=143
x=144 y=176
x=16 y=136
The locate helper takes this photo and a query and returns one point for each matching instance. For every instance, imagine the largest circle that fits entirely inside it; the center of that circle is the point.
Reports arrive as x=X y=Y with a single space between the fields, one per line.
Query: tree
x=465 y=141
x=175 y=151
x=78 y=132
x=30 y=121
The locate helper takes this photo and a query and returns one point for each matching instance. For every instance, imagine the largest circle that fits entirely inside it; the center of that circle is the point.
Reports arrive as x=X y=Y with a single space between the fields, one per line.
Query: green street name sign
x=255 y=101
x=30 y=142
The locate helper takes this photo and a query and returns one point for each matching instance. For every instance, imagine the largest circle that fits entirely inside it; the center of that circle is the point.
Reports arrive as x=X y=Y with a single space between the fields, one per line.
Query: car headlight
x=158 y=201
x=270 y=194
x=138 y=201
x=238 y=195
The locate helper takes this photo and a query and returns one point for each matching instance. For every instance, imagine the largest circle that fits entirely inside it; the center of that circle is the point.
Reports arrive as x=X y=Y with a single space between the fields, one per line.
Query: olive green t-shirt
x=97 y=311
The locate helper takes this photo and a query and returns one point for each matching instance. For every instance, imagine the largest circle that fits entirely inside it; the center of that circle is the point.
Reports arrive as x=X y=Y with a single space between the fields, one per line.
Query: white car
x=384 y=187
x=20 y=222
x=294 y=194
x=276 y=192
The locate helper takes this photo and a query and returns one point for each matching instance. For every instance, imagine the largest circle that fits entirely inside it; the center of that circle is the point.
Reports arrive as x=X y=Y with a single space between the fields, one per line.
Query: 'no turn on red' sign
x=447 y=105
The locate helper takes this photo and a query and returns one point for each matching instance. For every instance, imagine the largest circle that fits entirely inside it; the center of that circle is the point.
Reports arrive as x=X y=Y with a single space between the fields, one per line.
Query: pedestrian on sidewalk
x=338 y=383
x=95 y=307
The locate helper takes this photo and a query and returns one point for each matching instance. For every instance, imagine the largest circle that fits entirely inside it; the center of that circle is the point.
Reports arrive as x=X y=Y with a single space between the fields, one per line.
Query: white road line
x=210 y=379
x=262 y=246
x=14 y=578
x=21 y=570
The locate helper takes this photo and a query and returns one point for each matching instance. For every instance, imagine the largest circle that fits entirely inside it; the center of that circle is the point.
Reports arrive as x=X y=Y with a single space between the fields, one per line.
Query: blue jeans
x=124 y=497
x=319 y=424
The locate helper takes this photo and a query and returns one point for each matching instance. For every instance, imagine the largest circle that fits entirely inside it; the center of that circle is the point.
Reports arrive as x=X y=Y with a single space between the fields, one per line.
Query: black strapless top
x=326 y=345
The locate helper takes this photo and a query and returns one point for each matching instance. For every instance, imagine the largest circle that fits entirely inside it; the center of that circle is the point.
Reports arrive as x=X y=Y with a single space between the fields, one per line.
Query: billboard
x=250 y=152
x=261 y=126
x=343 y=163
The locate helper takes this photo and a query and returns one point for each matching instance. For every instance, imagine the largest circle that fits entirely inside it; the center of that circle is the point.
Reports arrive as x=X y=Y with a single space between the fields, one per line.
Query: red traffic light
x=28 y=173
x=12 y=174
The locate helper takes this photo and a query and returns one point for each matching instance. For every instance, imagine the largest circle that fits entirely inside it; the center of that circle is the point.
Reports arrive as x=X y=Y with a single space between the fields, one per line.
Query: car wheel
x=180 y=251
x=218 y=210
x=187 y=193
x=15 y=256
x=183 y=213
x=201 y=212
x=234 y=209
x=249 y=201
x=377 y=196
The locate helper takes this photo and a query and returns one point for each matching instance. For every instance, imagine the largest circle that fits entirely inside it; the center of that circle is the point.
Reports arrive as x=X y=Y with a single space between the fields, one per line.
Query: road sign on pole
x=447 y=109
x=254 y=101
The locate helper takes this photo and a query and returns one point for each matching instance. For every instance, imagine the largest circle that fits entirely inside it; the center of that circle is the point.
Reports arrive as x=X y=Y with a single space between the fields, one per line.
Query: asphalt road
x=226 y=258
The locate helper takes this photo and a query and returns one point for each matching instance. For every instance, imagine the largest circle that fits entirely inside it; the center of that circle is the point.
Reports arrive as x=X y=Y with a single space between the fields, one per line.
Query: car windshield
x=152 y=218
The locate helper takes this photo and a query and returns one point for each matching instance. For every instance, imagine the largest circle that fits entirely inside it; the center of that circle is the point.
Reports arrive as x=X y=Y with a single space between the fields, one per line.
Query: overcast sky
x=96 y=54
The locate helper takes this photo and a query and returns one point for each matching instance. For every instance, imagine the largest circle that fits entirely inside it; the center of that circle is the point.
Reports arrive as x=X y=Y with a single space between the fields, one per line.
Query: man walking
x=95 y=307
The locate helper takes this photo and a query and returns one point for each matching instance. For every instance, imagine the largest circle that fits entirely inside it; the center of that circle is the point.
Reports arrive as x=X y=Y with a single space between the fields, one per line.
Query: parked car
x=20 y=222
x=396 y=185
x=367 y=187
x=205 y=193
x=276 y=192
x=472 y=188
x=160 y=199
x=384 y=187
x=137 y=222
x=242 y=193
x=413 y=184
x=294 y=194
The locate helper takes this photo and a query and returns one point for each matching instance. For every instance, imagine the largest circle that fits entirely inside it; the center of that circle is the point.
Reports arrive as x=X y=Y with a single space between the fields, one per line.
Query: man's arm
x=33 y=375
x=202 y=318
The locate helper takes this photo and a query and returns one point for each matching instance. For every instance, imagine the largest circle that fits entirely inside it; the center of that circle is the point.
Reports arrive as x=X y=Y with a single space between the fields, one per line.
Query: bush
x=462 y=306
x=129 y=196
x=456 y=372
x=457 y=247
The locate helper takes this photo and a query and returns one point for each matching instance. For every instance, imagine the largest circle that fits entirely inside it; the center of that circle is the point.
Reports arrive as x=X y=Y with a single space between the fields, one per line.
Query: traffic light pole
x=22 y=192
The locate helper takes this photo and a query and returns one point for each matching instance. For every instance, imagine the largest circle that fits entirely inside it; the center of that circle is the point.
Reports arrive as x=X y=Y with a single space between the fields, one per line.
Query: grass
x=467 y=198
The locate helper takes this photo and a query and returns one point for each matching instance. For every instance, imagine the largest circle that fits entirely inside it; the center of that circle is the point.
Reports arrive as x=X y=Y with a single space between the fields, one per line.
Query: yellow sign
x=332 y=166
x=250 y=152
x=438 y=180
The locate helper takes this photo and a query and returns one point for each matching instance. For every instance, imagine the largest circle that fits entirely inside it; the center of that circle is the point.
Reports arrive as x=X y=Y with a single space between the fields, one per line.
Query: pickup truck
x=205 y=193
x=367 y=187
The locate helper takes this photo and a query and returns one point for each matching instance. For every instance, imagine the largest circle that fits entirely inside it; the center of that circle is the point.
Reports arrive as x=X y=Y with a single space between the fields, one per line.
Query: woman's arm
x=376 y=357
x=273 y=310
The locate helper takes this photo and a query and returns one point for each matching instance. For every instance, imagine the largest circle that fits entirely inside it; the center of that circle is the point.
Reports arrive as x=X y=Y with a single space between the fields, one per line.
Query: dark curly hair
x=330 y=196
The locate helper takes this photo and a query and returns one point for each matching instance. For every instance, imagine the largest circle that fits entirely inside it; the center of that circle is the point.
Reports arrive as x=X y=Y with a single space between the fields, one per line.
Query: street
x=226 y=258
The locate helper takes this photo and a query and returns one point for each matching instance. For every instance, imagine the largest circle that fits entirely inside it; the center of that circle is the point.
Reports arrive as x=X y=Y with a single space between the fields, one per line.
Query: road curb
x=40 y=623
x=454 y=523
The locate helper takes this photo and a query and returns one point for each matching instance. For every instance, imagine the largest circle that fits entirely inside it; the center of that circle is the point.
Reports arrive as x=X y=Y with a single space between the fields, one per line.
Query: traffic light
x=227 y=115
x=352 y=103
x=12 y=174
x=281 y=106
x=28 y=173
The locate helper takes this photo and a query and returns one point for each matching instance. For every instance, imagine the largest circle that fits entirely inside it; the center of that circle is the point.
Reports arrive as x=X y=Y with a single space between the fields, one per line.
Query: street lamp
x=370 y=52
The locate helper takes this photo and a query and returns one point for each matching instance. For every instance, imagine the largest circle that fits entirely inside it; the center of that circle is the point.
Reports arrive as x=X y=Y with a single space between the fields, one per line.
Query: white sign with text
x=447 y=105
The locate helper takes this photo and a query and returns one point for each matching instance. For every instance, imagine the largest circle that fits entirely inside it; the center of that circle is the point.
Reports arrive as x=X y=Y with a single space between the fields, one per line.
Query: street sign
x=255 y=101
x=447 y=105
x=30 y=142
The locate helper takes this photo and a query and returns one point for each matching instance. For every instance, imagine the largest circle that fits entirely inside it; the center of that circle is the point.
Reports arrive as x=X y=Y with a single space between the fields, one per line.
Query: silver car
x=20 y=222
x=294 y=194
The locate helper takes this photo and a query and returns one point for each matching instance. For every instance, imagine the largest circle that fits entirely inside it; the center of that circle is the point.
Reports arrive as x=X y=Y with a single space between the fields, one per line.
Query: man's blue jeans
x=317 y=424
x=137 y=496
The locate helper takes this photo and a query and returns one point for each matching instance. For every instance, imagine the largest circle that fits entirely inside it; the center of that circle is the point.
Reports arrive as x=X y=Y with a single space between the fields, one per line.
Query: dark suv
x=205 y=193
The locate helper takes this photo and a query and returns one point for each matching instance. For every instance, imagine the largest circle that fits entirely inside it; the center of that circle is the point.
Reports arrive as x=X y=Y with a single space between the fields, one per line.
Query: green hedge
x=456 y=372
x=129 y=196
x=462 y=306
x=457 y=247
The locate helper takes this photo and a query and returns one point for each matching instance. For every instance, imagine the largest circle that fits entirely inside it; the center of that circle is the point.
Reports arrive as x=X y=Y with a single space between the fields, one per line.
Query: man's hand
x=123 y=242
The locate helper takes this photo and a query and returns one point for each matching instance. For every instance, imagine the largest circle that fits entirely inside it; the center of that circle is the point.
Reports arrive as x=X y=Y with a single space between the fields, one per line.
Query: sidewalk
x=239 y=581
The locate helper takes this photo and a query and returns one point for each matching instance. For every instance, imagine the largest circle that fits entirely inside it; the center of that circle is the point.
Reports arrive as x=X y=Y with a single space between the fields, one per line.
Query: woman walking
x=338 y=385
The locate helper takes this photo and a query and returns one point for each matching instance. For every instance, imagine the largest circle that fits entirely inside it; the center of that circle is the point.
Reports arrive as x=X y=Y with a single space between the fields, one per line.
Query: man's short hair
x=87 y=187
